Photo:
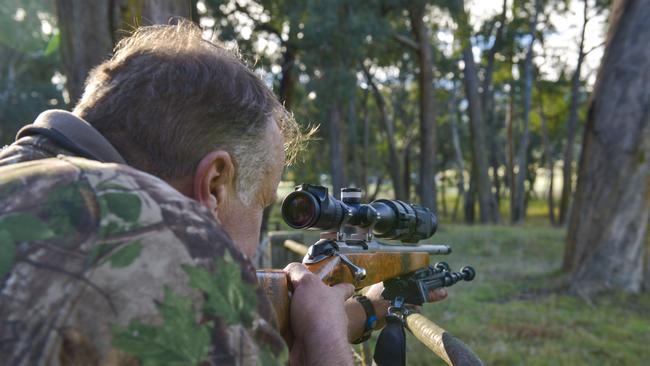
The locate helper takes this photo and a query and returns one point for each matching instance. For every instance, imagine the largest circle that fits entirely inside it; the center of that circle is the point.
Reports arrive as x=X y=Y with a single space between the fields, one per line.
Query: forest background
x=526 y=119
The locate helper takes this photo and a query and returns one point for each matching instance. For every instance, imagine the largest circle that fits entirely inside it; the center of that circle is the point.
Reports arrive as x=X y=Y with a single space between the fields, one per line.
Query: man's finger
x=299 y=274
x=346 y=290
x=437 y=294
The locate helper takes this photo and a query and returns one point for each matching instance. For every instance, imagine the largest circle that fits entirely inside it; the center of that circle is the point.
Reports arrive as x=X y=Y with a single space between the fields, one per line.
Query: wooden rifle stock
x=380 y=266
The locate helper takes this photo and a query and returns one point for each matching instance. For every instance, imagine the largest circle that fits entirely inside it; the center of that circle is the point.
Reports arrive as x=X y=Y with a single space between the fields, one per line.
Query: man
x=116 y=220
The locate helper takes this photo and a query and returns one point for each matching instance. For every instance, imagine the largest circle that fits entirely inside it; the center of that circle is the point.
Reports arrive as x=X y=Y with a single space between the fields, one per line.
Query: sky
x=562 y=43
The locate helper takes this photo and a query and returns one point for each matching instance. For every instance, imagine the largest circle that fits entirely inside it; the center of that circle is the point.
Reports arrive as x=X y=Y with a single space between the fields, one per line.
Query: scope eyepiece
x=310 y=206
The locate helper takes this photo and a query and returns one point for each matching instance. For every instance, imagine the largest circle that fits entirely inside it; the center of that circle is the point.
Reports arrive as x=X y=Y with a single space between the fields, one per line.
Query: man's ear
x=213 y=179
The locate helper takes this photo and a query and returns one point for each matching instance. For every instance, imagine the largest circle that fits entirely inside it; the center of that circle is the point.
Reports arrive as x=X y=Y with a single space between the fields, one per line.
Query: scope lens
x=299 y=210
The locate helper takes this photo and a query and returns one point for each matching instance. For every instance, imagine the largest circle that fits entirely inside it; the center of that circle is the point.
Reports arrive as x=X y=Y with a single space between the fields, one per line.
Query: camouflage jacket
x=102 y=264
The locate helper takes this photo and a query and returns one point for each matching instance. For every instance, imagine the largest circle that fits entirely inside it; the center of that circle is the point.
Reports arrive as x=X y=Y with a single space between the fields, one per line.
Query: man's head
x=191 y=112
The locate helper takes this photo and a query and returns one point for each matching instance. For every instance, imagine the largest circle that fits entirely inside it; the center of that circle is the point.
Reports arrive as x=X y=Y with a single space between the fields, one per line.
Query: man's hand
x=319 y=321
x=357 y=316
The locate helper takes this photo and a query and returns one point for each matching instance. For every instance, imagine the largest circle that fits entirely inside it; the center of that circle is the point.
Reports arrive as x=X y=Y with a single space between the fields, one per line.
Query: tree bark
x=86 y=40
x=354 y=169
x=428 y=143
x=548 y=157
x=510 y=149
x=90 y=29
x=336 y=149
x=572 y=125
x=455 y=138
x=487 y=205
x=607 y=233
x=522 y=158
x=366 y=144
x=487 y=99
x=396 y=168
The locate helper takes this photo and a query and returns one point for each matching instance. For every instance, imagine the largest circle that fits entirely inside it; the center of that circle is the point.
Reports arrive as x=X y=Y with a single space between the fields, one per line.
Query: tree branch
x=406 y=41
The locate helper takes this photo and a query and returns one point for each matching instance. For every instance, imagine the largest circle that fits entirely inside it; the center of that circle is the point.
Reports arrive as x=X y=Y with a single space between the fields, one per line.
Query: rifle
x=349 y=252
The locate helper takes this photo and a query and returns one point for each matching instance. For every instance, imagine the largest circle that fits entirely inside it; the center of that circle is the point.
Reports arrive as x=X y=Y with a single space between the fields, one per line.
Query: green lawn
x=516 y=311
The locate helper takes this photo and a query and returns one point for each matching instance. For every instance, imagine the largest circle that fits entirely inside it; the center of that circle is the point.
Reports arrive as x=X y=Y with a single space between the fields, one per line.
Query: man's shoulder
x=102 y=199
x=139 y=246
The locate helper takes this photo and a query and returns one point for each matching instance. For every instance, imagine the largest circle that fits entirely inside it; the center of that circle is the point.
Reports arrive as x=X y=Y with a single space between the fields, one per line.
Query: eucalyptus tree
x=607 y=237
x=89 y=31
x=488 y=207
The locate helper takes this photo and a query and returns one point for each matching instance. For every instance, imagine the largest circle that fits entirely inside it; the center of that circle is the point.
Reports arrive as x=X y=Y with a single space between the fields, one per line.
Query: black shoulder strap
x=59 y=138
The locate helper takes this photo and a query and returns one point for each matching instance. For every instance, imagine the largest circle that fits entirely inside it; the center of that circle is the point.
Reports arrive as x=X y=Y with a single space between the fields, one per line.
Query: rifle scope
x=310 y=206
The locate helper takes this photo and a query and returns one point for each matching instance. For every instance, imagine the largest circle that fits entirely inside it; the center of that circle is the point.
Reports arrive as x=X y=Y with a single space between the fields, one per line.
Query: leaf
x=180 y=340
x=227 y=295
x=7 y=253
x=267 y=357
x=53 y=45
x=66 y=210
x=24 y=227
x=126 y=255
x=123 y=205
x=98 y=252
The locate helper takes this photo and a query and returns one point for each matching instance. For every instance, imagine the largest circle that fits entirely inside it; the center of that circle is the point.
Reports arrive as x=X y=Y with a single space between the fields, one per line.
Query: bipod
x=391 y=344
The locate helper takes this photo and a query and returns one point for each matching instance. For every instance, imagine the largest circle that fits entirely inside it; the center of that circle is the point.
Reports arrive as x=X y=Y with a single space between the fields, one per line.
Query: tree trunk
x=86 y=40
x=354 y=169
x=427 y=113
x=90 y=29
x=470 y=197
x=288 y=81
x=607 y=233
x=487 y=206
x=366 y=144
x=337 y=169
x=522 y=158
x=548 y=157
x=510 y=149
x=488 y=209
x=395 y=168
x=455 y=138
x=572 y=126
x=487 y=101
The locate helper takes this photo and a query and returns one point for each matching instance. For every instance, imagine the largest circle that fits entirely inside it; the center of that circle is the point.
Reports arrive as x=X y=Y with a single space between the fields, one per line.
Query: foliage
x=29 y=59
x=180 y=340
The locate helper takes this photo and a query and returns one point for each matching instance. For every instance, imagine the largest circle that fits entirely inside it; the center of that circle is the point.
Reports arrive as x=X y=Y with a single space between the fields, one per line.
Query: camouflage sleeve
x=102 y=264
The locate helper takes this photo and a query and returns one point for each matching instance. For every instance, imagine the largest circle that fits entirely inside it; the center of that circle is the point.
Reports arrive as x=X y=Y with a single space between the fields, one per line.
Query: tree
x=522 y=155
x=428 y=134
x=28 y=61
x=607 y=233
x=89 y=30
x=488 y=207
x=572 y=123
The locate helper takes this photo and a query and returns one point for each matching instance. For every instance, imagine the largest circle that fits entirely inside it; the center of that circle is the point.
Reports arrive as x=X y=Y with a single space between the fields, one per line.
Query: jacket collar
x=73 y=134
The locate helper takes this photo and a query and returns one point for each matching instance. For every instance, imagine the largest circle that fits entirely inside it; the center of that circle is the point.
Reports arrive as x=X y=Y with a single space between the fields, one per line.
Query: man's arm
x=357 y=315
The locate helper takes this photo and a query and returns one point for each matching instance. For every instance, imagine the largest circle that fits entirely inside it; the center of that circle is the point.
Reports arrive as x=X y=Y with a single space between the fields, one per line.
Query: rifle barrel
x=376 y=247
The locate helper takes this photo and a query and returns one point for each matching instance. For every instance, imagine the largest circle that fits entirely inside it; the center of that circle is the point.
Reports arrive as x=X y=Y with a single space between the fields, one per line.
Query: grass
x=517 y=311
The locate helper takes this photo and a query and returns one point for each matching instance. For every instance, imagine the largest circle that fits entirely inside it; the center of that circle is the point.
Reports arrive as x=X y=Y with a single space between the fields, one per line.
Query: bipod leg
x=446 y=346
